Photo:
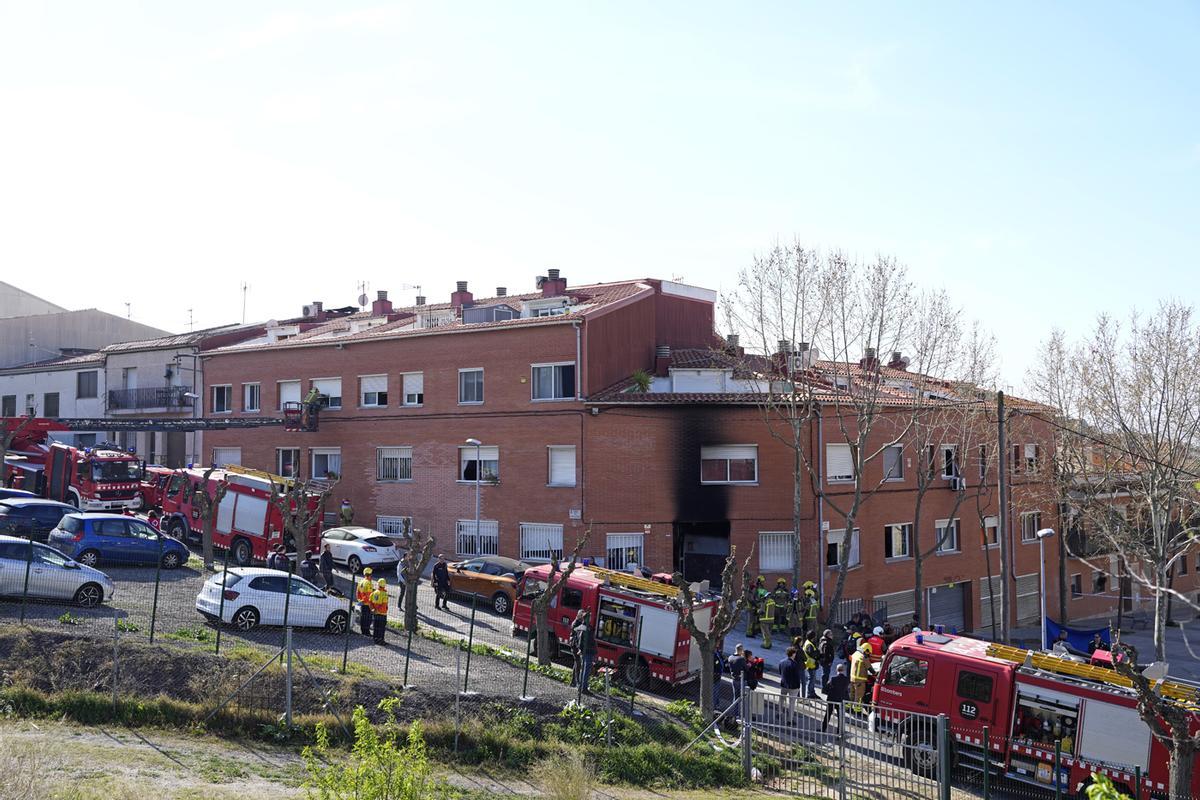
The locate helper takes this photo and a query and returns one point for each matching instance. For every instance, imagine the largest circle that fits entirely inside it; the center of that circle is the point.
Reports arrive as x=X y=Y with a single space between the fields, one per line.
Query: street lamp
x=1042 y=536
x=478 y=466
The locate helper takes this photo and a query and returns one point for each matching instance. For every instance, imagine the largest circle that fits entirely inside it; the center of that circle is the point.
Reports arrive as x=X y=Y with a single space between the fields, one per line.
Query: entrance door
x=947 y=606
x=701 y=549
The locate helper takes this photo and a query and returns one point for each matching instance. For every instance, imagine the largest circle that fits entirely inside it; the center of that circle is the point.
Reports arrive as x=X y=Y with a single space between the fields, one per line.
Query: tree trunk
x=1160 y=618
x=207 y=541
x=1182 y=758
x=707 y=649
x=918 y=560
x=541 y=616
x=410 y=605
x=797 y=472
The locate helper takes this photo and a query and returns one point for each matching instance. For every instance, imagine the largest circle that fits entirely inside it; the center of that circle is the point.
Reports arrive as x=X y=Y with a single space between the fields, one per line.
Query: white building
x=66 y=387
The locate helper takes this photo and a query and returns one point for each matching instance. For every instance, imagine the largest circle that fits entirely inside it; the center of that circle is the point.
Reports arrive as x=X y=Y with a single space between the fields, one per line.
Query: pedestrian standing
x=789 y=682
x=366 y=615
x=767 y=620
x=737 y=672
x=754 y=670
x=826 y=649
x=860 y=665
x=346 y=512
x=441 y=584
x=586 y=642
x=379 y=610
x=152 y=519
x=308 y=567
x=576 y=655
x=719 y=668
x=326 y=566
x=809 y=659
x=836 y=694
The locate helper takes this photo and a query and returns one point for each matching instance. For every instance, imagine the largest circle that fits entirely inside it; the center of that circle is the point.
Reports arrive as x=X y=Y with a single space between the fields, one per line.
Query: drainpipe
x=820 y=462
x=578 y=360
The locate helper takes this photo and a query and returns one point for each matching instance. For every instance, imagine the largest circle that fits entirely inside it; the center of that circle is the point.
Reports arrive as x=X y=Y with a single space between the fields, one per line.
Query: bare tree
x=724 y=617
x=293 y=499
x=208 y=506
x=412 y=567
x=540 y=603
x=8 y=435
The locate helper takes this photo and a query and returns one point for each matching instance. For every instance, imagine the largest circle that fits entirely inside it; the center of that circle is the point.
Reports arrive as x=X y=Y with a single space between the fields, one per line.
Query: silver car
x=51 y=575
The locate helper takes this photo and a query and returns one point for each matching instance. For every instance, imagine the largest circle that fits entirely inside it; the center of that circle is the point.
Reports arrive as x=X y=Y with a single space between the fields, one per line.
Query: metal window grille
x=622 y=549
x=541 y=541
x=393 y=464
x=775 y=551
x=393 y=526
x=482 y=542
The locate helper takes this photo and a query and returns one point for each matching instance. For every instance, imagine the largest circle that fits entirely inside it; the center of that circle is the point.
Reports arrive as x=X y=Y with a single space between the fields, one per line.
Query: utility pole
x=1005 y=539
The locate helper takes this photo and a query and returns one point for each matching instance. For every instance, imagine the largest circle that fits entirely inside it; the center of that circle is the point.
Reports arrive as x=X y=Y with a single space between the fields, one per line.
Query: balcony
x=143 y=398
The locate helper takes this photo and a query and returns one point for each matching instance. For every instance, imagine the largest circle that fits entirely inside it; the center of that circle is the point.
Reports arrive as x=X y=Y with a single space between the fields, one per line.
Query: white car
x=358 y=547
x=52 y=576
x=256 y=596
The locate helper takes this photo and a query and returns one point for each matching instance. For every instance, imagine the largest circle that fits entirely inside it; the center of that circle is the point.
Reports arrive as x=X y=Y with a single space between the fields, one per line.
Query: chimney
x=898 y=361
x=869 y=362
x=501 y=291
x=382 y=306
x=732 y=345
x=420 y=301
x=461 y=297
x=552 y=285
x=785 y=347
x=662 y=360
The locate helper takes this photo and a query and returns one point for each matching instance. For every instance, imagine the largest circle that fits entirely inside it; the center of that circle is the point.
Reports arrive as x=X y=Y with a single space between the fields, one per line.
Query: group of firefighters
x=793 y=611
x=372 y=598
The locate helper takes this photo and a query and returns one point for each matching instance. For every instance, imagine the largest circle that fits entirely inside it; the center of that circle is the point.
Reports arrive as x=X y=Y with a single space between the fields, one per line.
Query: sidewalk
x=1182 y=650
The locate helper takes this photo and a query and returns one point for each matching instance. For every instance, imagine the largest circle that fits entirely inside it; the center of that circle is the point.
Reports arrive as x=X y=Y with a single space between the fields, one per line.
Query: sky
x=1041 y=162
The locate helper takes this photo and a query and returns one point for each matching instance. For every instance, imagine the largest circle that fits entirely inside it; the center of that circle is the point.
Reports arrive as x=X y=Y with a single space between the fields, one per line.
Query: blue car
x=115 y=539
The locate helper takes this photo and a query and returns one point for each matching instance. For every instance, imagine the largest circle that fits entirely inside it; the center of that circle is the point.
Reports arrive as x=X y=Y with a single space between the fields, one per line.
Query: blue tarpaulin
x=1077 y=639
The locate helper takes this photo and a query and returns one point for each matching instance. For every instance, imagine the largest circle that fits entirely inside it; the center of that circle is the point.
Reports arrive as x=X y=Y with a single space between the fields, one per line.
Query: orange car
x=492 y=579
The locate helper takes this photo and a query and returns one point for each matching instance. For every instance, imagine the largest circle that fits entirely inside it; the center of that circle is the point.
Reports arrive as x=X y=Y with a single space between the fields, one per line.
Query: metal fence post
x=637 y=660
x=116 y=663
x=747 y=747
x=525 y=698
x=470 y=642
x=157 y=583
x=943 y=755
x=1137 y=782
x=457 y=696
x=28 y=565
x=608 y=721
x=287 y=603
x=407 y=657
x=987 y=764
x=842 y=749
x=1058 y=769
x=349 y=622
x=287 y=711
x=221 y=606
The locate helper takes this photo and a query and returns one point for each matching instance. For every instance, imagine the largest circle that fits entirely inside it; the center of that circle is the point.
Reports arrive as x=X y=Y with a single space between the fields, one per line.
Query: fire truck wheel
x=171 y=561
x=920 y=751
x=245 y=619
x=337 y=622
x=89 y=595
x=242 y=552
x=89 y=558
x=177 y=530
x=73 y=498
x=633 y=671
x=501 y=604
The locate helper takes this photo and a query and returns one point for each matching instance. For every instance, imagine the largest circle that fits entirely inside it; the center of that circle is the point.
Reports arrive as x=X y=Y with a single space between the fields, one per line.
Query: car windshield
x=116 y=471
x=380 y=541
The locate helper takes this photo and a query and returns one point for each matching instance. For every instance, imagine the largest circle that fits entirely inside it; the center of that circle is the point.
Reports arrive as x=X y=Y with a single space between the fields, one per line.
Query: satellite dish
x=362 y=299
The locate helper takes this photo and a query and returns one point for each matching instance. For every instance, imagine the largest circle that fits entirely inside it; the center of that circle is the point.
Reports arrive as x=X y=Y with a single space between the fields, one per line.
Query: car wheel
x=171 y=560
x=245 y=619
x=89 y=558
x=355 y=564
x=242 y=553
x=89 y=595
x=177 y=530
x=338 y=622
x=501 y=604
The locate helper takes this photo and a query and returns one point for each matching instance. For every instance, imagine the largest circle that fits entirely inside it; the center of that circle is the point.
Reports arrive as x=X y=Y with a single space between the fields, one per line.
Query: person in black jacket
x=737 y=671
x=826 y=650
x=790 y=681
x=837 y=692
x=326 y=566
x=441 y=584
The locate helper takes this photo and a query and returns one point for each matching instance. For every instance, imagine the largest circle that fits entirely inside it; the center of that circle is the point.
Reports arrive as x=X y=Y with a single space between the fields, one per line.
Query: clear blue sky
x=1040 y=161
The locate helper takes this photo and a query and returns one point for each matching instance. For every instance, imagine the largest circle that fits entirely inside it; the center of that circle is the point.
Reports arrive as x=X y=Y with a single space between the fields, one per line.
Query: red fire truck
x=102 y=478
x=246 y=523
x=1027 y=701
x=637 y=631
x=154 y=485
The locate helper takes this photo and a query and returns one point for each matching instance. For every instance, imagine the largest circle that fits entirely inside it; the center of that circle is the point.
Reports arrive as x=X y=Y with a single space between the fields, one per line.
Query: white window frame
x=952 y=450
x=313 y=452
x=340 y=395
x=362 y=392
x=776 y=551
x=541 y=542
x=944 y=548
x=257 y=407
x=279 y=451
x=994 y=523
x=1073 y=578
x=550 y=450
x=841 y=477
x=405 y=393
x=899 y=463
x=279 y=392
x=1032 y=538
x=907 y=527
x=553 y=366
x=481 y=541
x=482 y=386
x=483 y=452
x=393 y=526
x=618 y=545
x=230 y=455
x=398 y=453
x=855 y=547
x=983 y=462
x=714 y=454
x=227 y=390
x=1033 y=458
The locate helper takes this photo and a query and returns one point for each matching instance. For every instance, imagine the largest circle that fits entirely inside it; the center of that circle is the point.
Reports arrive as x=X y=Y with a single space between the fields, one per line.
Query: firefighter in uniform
x=795 y=614
x=363 y=596
x=812 y=606
x=753 y=601
x=767 y=620
x=379 y=610
x=809 y=649
x=860 y=671
x=781 y=595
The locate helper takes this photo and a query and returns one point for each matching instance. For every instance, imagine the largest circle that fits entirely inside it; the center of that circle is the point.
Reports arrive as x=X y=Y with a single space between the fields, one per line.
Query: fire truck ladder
x=1180 y=692
x=618 y=578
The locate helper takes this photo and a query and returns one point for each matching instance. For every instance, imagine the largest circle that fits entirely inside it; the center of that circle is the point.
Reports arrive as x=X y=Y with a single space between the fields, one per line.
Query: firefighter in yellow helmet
x=363 y=595
x=781 y=595
x=379 y=610
x=860 y=673
x=767 y=620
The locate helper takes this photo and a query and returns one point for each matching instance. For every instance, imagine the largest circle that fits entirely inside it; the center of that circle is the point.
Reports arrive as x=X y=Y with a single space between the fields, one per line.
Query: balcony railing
x=148 y=397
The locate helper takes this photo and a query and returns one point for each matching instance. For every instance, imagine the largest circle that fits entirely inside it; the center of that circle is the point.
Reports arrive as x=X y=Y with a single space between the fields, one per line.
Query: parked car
x=255 y=596
x=115 y=539
x=52 y=576
x=358 y=547
x=25 y=516
x=492 y=579
x=6 y=493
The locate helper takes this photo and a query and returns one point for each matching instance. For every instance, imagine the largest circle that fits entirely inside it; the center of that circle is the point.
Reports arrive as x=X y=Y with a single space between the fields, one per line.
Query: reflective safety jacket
x=379 y=602
x=859 y=665
x=365 y=588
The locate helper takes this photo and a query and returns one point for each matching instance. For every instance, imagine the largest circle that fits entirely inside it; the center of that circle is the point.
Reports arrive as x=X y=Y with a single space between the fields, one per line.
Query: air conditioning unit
x=308 y=311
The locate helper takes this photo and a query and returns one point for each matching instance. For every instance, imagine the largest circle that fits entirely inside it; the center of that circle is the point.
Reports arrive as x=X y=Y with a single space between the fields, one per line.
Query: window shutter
x=329 y=386
x=374 y=383
x=289 y=392
x=733 y=452
x=414 y=383
x=839 y=465
x=562 y=466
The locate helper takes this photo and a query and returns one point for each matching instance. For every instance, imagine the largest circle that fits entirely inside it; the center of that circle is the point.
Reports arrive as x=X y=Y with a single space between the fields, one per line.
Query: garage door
x=900 y=608
x=947 y=606
x=1029 y=599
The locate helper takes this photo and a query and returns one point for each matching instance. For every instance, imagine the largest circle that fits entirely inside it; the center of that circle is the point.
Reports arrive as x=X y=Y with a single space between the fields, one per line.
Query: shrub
x=652 y=764
x=67 y=619
x=687 y=711
x=566 y=778
x=1102 y=788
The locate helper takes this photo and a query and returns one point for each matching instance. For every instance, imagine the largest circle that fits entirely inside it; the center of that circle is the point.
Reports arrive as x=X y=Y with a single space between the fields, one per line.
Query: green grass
x=196 y=634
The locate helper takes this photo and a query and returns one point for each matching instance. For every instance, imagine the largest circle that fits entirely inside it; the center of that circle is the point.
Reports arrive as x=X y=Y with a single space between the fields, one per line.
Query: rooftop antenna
x=362 y=294
x=190 y=323
x=128 y=312
x=416 y=286
x=245 y=288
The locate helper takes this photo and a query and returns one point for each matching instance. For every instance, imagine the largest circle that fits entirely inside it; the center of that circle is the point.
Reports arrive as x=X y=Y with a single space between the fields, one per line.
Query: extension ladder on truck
x=618 y=578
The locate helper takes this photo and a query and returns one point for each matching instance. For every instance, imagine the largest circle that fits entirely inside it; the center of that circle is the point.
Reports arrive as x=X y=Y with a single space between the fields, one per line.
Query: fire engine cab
x=102 y=478
x=637 y=630
x=1027 y=701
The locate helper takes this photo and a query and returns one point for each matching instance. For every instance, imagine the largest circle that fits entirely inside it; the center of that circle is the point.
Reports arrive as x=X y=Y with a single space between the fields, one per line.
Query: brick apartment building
x=669 y=474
